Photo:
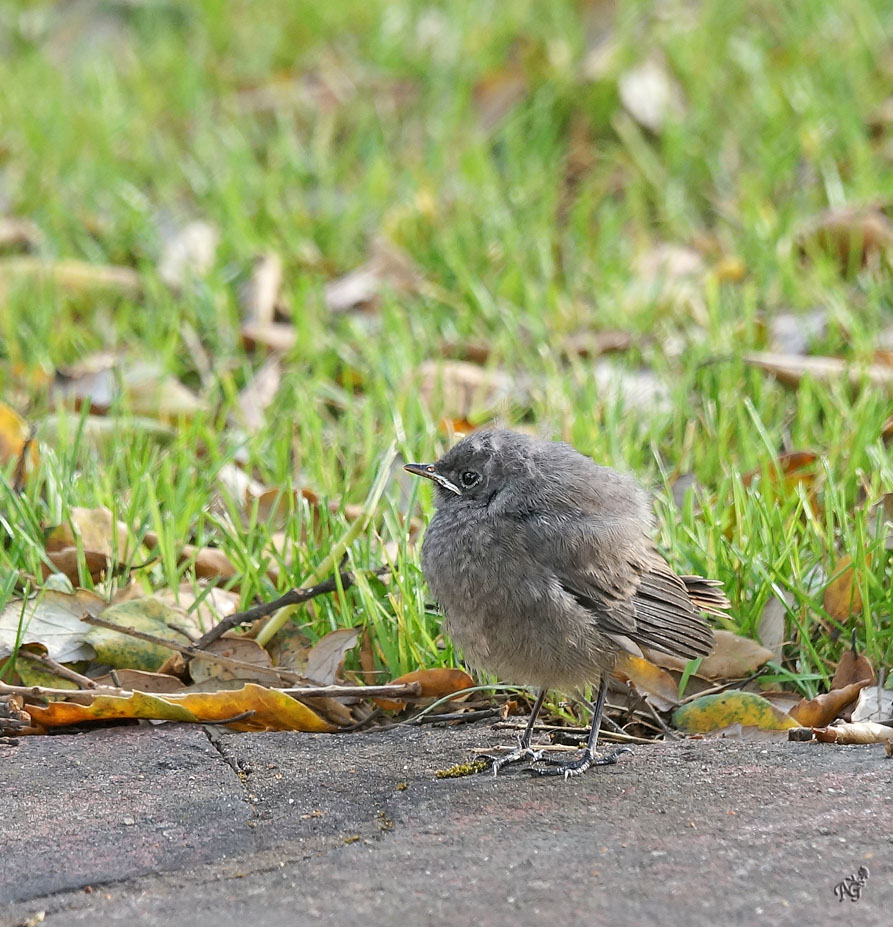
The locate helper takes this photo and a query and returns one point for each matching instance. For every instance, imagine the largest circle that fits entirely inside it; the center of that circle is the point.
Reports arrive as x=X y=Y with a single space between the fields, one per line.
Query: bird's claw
x=518 y=755
x=577 y=767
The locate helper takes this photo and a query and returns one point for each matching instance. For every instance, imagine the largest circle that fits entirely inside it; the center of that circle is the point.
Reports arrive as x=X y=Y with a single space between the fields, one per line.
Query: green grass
x=118 y=123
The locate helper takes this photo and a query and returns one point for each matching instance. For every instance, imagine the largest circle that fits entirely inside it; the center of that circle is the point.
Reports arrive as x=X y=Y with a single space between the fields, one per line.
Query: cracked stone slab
x=112 y=804
x=356 y=829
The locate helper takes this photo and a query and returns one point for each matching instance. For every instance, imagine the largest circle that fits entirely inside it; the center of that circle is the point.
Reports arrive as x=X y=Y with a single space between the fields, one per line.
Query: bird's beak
x=428 y=471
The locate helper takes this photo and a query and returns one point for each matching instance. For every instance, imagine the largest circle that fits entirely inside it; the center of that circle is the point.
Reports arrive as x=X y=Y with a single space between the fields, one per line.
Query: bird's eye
x=469 y=478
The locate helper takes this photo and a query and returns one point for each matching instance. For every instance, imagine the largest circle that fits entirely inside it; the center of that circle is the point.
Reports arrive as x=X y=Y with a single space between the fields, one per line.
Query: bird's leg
x=589 y=758
x=524 y=751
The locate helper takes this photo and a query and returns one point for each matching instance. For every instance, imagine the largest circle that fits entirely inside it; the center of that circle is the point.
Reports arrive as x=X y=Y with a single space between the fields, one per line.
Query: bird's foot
x=519 y=755
x=553 y=767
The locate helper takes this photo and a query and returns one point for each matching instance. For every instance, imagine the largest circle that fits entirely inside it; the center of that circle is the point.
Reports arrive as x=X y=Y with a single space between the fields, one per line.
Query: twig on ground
x=48 y=692
x=192 y=651
x=292 y=597
x=57 y=669
x=395 y=690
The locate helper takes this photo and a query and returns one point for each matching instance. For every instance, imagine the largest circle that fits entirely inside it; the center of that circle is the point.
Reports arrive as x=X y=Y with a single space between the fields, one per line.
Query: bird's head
x=480 y=466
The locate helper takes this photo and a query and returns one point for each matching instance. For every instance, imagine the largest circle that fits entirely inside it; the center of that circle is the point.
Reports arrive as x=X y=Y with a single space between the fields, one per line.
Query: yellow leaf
x=656 y=684
x=712 y=712
x=435 y=683
x=106 y=707
x=271 y=710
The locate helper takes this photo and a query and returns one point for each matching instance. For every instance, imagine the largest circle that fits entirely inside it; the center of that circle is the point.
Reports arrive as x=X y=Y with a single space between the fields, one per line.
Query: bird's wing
x=614 y=571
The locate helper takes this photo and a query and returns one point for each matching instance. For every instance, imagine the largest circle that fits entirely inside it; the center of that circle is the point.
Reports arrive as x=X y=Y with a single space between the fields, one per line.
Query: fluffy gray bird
x=543 y=564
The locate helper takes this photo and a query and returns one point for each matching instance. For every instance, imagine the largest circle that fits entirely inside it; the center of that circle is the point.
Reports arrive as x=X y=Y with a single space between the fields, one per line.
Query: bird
x=544 y=566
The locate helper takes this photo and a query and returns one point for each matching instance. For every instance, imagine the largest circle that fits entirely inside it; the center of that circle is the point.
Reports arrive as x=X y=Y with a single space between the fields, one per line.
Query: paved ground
x=160 y=825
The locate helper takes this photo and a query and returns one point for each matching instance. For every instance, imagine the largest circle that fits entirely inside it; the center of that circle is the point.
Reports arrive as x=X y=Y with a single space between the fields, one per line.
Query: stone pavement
x=146 y=826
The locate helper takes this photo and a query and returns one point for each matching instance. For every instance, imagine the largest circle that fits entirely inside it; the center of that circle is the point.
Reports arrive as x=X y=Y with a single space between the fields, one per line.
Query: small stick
x=57 y=669
x=192 y=651
x=292 y=597
x=45 y=691
x=395 y=690
x=400 y=689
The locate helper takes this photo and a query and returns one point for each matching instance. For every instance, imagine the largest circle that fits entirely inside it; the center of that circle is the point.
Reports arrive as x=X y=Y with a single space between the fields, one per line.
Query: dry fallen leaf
x=189 y=254
x=148 y=389
x=460 y=390
x=786 y=471
x=823 y=709
x=790 y=369
x=655 y=684
x=874 y=704
x=842 y=598
x=152 y=683
x=94 y=530
x=711 y=712
x=52 y=619
x=733 y=657
x=280 y=337
x=234 y=647
x=261 y=292
x=853 y=667
x=270 y=710
x=772 y=631
x=327 y=654
x=257 y=395
x=861 y=732
x=855 y=236
x=389 y=267
x=434 y=683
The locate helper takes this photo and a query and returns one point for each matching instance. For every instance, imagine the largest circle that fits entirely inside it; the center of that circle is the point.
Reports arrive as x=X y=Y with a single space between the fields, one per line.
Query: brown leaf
x=68 y=559
x=823 y=709
x=790 y=369
x=153 y=683
x=842 y=598
x=655 y=684
x=435 y=684
x=146 y=387
x=327 y=654
x=459 y=390
x=861 y=732
x=235 y=647
x=389 y=267
x=853 y=667
x=855 y=236
x=95 y=530
x=733 y=657
x=787 y=470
